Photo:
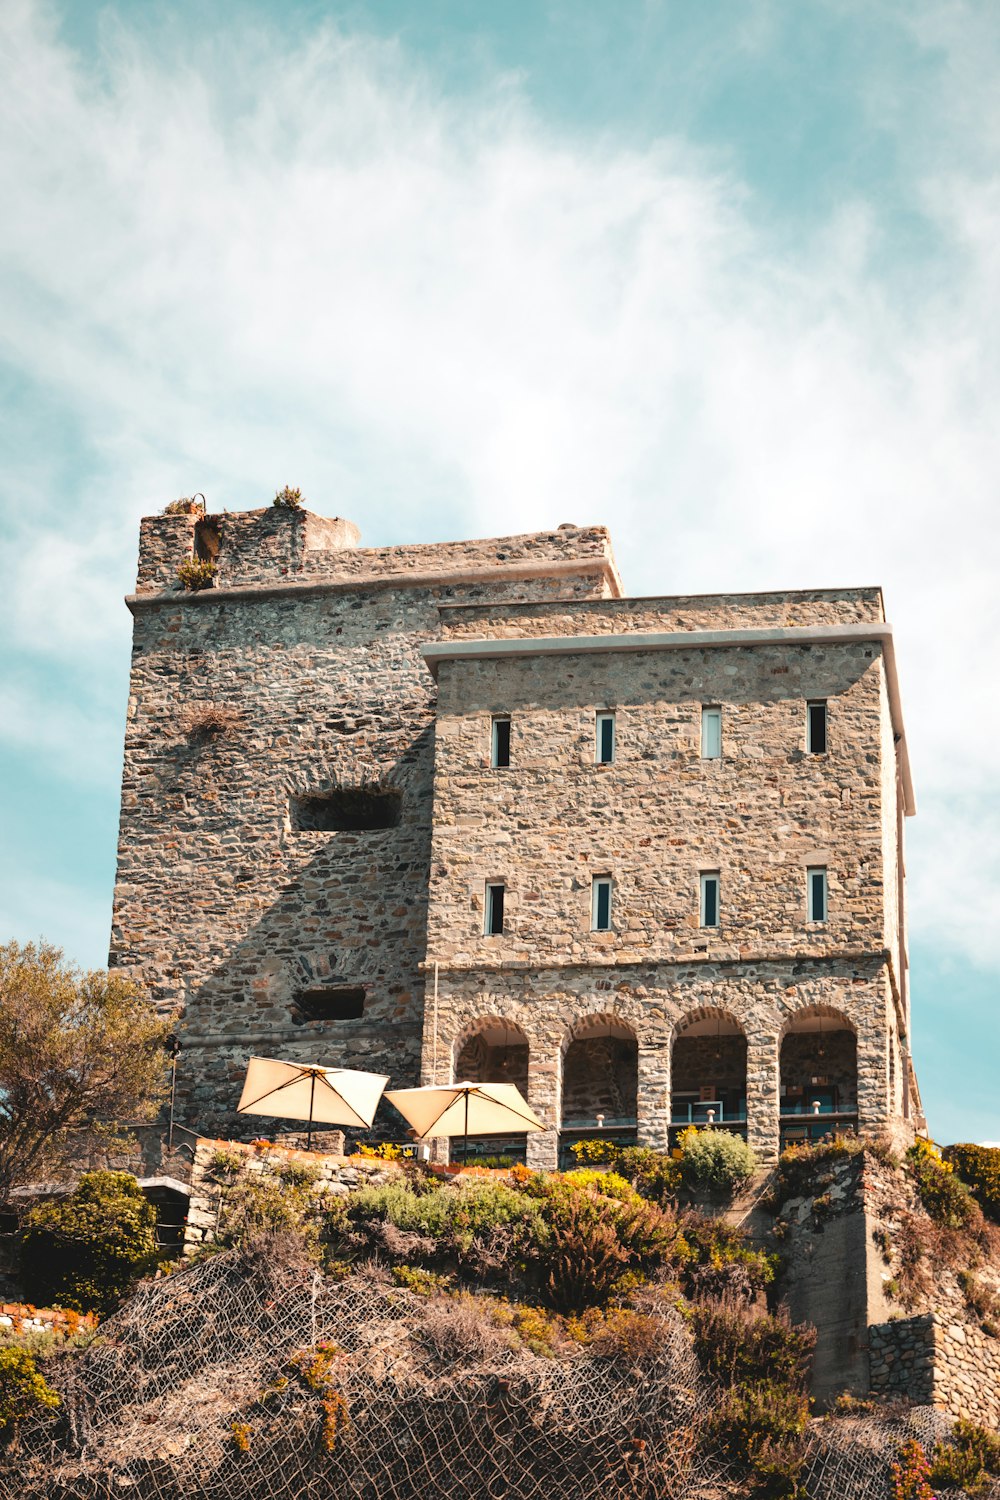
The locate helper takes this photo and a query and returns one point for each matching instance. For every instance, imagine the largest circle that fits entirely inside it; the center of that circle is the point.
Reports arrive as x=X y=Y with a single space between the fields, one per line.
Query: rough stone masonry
x=312 y=811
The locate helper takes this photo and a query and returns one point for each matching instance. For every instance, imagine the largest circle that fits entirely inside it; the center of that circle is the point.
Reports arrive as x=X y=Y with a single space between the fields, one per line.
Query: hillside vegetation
x=517 y=1334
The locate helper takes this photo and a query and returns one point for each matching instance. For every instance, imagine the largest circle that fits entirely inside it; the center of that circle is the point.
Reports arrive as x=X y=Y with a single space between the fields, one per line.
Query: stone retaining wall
x=933 y=1360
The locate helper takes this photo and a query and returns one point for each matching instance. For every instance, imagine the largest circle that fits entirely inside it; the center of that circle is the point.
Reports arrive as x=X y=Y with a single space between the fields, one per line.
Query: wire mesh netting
x=243 y=1377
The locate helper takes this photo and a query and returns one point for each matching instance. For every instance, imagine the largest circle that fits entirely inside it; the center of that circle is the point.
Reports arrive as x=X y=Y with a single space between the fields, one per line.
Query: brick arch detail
x=817 y=1010
x=705 y=1013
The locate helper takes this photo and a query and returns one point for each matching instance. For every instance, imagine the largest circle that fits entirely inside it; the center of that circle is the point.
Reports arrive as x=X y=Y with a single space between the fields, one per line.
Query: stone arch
x=600 y=1070
x=818 y=1073
x=491 y=1049
x=709 y=1070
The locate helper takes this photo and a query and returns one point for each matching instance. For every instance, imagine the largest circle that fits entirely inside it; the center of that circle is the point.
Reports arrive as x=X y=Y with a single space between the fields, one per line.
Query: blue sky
x=722 y=276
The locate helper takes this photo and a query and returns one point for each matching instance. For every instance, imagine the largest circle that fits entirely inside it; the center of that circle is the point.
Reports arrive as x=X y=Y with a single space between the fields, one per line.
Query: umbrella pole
x=312 y=1096
x=465 y=1148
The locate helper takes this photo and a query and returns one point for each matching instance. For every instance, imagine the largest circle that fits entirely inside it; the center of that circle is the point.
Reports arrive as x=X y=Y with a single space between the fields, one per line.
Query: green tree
x=87 y=1250
x=76 y=1050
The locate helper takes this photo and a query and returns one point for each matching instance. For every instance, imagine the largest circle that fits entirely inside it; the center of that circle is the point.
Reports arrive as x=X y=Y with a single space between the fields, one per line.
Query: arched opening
x=600 y=1084
x=708 y=1075
x=819 y=1075
x=494 y=1051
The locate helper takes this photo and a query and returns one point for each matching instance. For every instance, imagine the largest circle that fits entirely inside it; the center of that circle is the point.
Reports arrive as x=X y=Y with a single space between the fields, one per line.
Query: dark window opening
x=816 y=734
x=601 y=904
x=494 y=910
x=207 y=539
x=709 y=900
x=605 y=739
x=817 y=894
x=352 y=809
x=501 y=742
x=340 y=1003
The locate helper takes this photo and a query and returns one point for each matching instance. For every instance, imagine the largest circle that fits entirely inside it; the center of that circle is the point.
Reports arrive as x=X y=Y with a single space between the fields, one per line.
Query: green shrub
x=758 y=1430
x=715 y=1159
x=24 y=1393
x=911 y=1473
x=196 y=573
x=969 y=1461
x=719 y=1262
x=583 y=1259
x=943 y=1194
x=804 y=1168
x=979 y=1168
x=288 y=499
x=268 y=1205
x=608 y=1184
x=737 y=1344
x=187 y=505
x=87 y=1251
x=654 y=1174
x=483 y=1226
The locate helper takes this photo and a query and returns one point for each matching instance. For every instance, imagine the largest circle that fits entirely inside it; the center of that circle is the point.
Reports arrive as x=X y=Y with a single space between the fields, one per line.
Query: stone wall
x=238 y=703
x=760 y=814
x=676 y=612
x=219 y=1164
x=932 y=1360
x=275 y=547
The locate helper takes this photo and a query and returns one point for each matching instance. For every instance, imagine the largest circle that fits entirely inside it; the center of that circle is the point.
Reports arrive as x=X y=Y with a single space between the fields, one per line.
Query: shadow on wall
x=329 y=972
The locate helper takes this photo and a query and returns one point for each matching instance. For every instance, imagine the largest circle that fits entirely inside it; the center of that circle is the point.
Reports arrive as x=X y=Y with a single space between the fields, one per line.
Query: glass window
x=494 y=908
x=500 y=755
x=710 y=898
x=605 y=749
x=816 y=728
x=711 y=733
x=601 y=904
x=816 y=886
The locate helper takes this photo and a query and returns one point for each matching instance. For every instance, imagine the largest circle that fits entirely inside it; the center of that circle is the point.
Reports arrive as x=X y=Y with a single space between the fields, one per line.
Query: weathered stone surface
x=300 y=673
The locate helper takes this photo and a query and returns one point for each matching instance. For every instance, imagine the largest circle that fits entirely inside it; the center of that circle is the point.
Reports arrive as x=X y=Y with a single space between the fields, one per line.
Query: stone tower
x=275 y=834
x=462 y=810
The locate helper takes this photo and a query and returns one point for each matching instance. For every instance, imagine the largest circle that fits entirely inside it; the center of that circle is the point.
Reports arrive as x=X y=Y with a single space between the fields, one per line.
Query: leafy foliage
x=911 y=1474
x=654 y=1174
x=86 y=1251
x=196 y=573
x=288 y=499
x=268 y=1205
x=187 y=505
x=758 y=1428
x=969 y=1461
x=716 y=1159
x=979 y=1167
x=75 y=1050
x=943 y=1194
x=737 y=1343
x=806 y=1167
x=24 y=1392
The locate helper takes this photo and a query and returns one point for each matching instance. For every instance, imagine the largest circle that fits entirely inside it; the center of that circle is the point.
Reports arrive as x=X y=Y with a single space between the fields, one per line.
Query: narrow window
x=816 y=886
x=494 y=908
x=816 y=728
x=500 y=754
x=329 y=1003
x=711 y=733
x=601 y=904
x=605 y=738
x=710 y=898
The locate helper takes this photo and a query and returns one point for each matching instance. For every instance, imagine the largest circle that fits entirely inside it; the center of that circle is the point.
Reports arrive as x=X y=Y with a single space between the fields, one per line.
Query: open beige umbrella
x=465 y=1109
x=308 y=1091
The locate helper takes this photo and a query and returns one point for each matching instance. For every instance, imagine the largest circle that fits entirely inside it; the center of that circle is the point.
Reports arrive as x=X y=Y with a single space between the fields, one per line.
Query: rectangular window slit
x=816 y=885
x=494 y=908
x=601 y=904
x=816 y=728
x=710 y=898
x=500 y=755
x=711 y=733
x=605 y=738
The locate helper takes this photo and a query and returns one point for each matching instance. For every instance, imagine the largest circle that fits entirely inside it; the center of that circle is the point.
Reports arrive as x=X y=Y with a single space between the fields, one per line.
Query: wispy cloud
x=232 y=266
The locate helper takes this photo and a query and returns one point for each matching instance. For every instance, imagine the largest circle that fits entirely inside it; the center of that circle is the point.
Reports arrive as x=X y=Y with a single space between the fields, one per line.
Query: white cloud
x=300 y=263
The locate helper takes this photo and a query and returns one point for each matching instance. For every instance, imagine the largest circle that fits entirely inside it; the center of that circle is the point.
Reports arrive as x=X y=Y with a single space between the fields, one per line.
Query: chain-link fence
x=245 y=1377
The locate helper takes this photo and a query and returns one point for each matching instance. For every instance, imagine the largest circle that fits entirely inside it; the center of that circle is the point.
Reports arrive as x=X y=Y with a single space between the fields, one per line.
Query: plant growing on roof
x=187 y=505
x=288 y=499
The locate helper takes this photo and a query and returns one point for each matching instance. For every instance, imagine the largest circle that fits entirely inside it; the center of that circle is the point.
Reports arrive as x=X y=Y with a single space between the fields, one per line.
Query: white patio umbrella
x=465 y=1109
x=309 y=1091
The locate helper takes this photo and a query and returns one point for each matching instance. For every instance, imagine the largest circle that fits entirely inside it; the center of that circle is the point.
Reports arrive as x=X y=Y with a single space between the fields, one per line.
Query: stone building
x=463 y=810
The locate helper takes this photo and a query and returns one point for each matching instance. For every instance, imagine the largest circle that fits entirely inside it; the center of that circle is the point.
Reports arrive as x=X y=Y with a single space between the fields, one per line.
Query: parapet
x=278 y=548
